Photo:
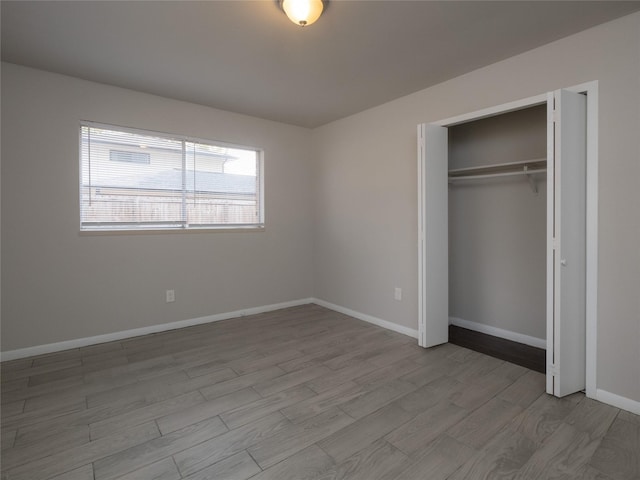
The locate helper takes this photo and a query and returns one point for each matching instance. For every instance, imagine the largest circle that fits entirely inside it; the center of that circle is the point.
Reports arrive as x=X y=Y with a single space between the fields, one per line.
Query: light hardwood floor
x=302 y=393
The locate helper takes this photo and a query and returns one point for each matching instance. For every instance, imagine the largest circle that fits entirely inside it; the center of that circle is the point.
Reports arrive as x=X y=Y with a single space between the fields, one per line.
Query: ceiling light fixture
x=303 y=12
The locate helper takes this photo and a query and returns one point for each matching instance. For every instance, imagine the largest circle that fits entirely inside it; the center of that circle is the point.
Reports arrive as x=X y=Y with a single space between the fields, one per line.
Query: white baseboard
x=136 y=332
x=499 y=332
x=624 y=403
x=603 y=396
x=368 y=318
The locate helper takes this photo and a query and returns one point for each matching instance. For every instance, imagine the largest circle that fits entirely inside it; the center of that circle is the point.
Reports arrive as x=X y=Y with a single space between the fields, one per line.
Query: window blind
x=131 y=179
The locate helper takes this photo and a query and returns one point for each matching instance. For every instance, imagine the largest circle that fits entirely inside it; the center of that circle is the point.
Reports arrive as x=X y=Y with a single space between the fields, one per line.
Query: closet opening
x=497 y=210
x=507 y=225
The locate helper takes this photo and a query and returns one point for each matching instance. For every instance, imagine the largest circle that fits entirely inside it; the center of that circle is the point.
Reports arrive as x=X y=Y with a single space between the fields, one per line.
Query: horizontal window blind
x=132 y=180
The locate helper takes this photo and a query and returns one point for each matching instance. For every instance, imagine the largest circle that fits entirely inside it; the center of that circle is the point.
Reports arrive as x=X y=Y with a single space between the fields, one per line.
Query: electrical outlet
x=171 y=296
x=397 y=294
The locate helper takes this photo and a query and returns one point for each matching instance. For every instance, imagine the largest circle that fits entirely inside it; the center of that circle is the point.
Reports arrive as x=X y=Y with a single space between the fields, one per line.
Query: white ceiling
x=247 y=57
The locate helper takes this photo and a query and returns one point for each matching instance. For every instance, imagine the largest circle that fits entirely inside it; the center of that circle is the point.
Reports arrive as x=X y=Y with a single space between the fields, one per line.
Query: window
x=137 y=180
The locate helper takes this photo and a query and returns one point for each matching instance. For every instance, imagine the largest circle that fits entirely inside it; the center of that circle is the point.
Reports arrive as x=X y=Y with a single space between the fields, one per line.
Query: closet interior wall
x=497 y=226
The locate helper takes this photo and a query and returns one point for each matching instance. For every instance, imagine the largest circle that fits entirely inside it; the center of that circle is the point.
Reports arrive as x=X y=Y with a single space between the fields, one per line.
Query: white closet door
x=566 y=232
x=434 y=252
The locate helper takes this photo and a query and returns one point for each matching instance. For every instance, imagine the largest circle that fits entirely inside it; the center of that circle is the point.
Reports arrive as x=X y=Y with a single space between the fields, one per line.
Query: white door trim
x=591 y=90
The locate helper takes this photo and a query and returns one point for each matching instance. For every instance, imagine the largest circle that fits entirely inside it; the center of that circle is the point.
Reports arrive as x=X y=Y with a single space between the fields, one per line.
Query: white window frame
x=182 y=226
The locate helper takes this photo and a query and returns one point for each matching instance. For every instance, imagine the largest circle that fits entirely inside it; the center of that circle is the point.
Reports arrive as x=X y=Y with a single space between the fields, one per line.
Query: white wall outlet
x=397 y=294
x=170 y=296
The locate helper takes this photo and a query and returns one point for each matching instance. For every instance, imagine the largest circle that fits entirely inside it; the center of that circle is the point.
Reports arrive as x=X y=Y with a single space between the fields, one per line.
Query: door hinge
x=553 y=370
x=554 y=243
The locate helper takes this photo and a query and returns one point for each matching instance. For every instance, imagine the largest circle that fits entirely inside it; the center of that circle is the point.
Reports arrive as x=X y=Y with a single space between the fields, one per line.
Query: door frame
x=591 y=91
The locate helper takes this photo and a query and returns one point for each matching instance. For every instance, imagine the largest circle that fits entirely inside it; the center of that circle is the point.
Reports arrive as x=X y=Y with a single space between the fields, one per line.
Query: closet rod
x=493 y=175
x=536 y=162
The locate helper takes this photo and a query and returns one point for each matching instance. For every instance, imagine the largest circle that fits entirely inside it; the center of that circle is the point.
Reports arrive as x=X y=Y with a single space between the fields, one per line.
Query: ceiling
x=247 y=57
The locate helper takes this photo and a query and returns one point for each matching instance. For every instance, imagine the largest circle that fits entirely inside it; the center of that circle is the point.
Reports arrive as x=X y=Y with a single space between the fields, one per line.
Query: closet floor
x=524 y=355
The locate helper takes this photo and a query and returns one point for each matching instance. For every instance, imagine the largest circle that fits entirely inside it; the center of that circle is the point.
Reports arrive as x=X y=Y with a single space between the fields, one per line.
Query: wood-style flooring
x=303 y=393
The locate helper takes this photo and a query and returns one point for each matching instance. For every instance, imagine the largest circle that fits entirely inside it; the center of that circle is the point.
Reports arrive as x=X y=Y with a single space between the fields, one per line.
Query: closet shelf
x=527 y=167
x=524 y=171
x=512 y=167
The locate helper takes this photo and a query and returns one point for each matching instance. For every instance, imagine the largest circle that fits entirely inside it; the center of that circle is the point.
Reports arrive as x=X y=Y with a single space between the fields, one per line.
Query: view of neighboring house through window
x=132 y=179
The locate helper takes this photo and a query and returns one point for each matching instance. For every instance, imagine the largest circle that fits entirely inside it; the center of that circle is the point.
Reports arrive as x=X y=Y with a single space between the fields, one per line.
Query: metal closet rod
x=529 y=167
x=524 y=171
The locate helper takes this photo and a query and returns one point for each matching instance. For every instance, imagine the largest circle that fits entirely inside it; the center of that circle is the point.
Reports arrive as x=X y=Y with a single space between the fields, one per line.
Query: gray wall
x=365 y=176
x=497 y=227
x=60 y=285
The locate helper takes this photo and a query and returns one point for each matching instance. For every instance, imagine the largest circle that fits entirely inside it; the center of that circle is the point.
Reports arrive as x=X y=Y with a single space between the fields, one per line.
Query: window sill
x=231 y=229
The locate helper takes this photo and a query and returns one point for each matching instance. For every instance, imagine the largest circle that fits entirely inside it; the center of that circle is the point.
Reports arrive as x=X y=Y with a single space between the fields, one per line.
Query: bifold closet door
x=433 y=293
x=566 y=237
